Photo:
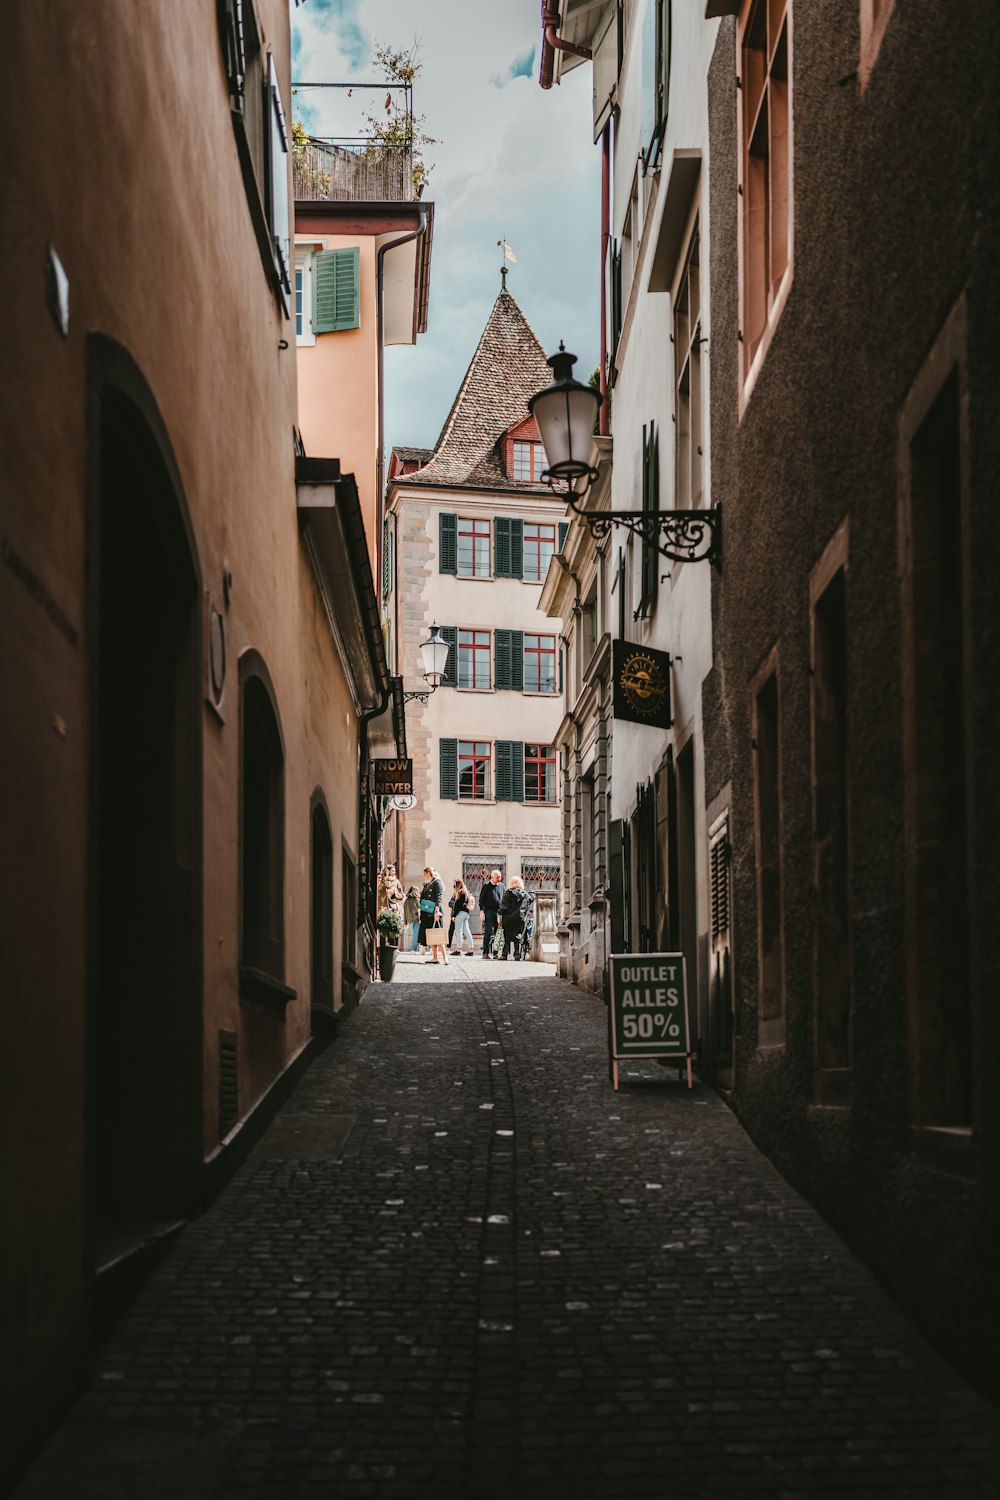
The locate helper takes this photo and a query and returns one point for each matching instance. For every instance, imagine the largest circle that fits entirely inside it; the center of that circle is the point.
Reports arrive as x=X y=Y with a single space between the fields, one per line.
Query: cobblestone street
x=459 y=1265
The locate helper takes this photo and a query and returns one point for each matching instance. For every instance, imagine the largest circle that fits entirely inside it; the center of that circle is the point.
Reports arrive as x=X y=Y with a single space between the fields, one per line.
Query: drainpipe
x=604 y=426
x=552 y=42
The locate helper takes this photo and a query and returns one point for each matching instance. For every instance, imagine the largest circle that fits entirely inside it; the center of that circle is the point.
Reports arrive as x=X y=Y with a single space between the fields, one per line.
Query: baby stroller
x=522 y=944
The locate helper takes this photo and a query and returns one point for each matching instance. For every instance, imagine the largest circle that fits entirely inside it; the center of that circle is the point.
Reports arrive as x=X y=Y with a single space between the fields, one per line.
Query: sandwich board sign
x=648 y=1015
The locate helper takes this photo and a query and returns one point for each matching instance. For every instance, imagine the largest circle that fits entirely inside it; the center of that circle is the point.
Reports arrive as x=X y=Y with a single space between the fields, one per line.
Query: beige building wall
x=444 y=831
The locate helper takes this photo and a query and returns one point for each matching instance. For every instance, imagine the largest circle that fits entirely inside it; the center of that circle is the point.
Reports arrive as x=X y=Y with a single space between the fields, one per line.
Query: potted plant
x=390 y=925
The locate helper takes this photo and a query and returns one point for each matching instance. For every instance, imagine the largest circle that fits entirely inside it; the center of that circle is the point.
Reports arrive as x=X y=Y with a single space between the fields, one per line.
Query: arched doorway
x=144 y=990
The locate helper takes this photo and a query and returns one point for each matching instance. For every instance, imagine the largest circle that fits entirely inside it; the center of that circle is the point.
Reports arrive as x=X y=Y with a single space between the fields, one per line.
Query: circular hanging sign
x=402 y=804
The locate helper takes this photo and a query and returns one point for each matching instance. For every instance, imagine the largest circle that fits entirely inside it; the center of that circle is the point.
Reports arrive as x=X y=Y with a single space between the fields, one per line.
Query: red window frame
x=476 y=646
x=534 y=535
x=475 y=531
x=536 y=759
x=546 y=647
x=527 y=461
x=476 y=754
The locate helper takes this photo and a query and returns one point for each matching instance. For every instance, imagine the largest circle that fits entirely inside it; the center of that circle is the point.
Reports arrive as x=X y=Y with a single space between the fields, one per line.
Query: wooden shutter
x=448 y=543
x=563 y=529
x=616 y=873
x=449 y=633
x=386 y=558
x=336 y=290
x=510 y=770
x=508 y=560
x=509 y=654
x=449 y=768
x=651 y=505
x=615 y=273
x=720 y=981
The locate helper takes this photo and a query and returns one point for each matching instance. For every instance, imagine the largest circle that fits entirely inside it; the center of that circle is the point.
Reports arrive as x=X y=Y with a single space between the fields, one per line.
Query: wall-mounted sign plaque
x=392 y=778
x=641 y=684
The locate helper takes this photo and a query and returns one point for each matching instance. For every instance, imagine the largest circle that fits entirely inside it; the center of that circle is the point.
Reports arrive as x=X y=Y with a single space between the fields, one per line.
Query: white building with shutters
x=471 y=531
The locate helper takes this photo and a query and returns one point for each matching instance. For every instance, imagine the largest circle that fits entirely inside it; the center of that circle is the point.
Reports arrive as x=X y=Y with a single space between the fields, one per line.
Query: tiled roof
x=412 y=455
x=508 y=366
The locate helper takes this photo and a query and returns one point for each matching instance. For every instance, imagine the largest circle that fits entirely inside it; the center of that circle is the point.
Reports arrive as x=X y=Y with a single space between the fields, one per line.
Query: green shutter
x=510 y=770
x=517 y=660
x=509 y=655
x=449 y=768
x=336 y=290
x=560 y=652
x=501 y=659
x=448 y=543
x=449 y=633
x=502 y=547
x=517 y=549
x=563 y=529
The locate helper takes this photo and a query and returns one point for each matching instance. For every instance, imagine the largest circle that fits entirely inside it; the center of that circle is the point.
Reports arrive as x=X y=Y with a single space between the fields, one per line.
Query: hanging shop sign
x=392 y=778
x=641 y=684
x=648 y=1015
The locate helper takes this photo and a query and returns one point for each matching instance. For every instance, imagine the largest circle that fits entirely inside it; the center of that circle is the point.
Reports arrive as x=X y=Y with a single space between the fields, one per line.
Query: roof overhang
x=407 y=264
x=333 y=535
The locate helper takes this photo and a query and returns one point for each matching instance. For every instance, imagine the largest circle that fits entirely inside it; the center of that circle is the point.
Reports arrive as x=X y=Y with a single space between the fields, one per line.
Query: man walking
x=489 y=904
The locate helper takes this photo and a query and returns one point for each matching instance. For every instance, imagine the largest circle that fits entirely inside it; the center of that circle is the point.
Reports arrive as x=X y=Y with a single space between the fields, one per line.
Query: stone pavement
x=458 y=1267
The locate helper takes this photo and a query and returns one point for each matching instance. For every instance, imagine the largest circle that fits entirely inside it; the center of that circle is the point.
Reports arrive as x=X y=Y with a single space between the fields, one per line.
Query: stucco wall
x=121 y=154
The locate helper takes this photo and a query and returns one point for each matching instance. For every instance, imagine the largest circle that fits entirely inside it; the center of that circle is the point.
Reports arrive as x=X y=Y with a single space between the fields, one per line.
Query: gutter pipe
x=604 y=427
x=552 y=43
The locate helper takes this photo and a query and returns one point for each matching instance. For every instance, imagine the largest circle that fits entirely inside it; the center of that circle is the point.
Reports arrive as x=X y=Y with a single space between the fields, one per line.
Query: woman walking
x=463 y=908
x=431 y=905
x=411 y=916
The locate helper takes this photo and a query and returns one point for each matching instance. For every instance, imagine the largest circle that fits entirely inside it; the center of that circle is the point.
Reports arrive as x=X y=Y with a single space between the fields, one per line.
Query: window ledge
x=474 y=577
x=262 y=992
x=476 y=801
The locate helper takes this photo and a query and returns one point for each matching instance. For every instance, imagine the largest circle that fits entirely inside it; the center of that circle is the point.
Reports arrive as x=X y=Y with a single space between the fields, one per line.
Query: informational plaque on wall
x=648 y=1015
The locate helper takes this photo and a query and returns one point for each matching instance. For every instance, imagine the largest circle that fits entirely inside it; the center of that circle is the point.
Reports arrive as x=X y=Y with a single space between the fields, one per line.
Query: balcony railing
x=360 y=171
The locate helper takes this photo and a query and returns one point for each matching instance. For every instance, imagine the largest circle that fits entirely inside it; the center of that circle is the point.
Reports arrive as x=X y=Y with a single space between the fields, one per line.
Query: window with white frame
x=304 y=295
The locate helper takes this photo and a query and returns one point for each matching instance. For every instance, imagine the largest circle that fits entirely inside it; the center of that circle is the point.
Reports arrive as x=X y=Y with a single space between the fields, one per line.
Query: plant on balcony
x=397 y=128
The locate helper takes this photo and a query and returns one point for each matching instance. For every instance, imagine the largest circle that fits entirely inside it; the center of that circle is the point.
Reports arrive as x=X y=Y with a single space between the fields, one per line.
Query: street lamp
x=434 y=655
x=566 y=412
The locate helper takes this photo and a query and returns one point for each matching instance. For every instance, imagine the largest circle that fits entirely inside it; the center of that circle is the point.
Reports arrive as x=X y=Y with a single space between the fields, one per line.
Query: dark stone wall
x=896 y=212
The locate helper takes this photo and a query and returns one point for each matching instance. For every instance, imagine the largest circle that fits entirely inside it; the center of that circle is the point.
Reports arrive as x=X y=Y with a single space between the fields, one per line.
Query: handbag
x=436 y=937
x=428 y=906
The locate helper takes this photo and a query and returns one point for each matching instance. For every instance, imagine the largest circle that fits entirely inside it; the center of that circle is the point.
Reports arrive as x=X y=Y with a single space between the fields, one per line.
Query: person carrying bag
x=432 y=933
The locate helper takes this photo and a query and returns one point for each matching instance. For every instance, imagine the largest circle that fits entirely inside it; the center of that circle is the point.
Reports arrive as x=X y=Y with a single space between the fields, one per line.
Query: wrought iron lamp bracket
x=421 y=697
x=681 y=535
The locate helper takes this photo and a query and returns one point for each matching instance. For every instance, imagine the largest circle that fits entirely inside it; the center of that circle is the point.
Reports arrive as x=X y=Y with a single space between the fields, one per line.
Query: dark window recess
x=229 y=1091
x=510 y=770
x=386 y=558
x=278 y=211
x=832 y=948
x=321 y=902
x=770 y=958
x=509 y=670
x=449 y=633
x=938 y=902
x=651 y=506
x=509 y=547
x=615 y=303
x=336 y=282
x=262 y=935
x=563 y=529
x=349 y=909
x=447 y=543
x=448 y=752
x=644 y=837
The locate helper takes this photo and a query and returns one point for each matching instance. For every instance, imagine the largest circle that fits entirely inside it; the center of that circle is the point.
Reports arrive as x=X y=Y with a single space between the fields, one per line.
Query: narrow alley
x=459 y=1265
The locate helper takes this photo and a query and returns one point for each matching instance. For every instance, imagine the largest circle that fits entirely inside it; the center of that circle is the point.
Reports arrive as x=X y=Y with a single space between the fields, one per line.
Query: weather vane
x=508 y=254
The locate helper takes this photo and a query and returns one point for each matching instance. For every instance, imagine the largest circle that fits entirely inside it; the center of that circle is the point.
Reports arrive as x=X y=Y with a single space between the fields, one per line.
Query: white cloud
x=512 y=160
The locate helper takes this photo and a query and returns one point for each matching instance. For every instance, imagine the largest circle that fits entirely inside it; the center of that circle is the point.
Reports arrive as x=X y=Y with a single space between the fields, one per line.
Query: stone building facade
x=472 y=530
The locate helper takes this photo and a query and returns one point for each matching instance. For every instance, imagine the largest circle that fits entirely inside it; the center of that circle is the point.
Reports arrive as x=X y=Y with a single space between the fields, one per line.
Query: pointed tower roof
x=508 y=366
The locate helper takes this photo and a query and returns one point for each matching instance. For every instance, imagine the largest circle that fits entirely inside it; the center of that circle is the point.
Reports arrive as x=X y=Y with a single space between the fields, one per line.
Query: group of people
x=508 y=915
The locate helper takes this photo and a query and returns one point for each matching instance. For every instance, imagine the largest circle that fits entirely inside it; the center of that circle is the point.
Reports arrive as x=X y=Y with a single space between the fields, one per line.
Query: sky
x=511 y=161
